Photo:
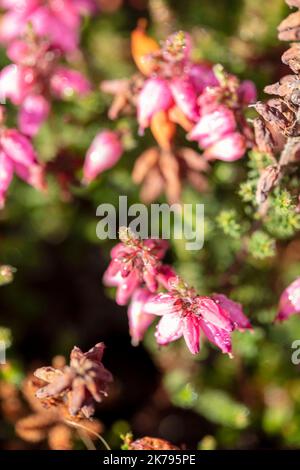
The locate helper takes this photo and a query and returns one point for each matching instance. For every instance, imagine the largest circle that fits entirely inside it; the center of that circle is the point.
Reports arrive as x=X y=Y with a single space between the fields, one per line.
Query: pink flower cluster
x=210 y=105
x=34 y=79
x=17 y=156
x=137 y=271
x=57 y=20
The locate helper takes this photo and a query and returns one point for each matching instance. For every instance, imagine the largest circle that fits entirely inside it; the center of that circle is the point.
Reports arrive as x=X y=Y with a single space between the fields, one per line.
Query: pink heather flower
x=17 y=155
x=230 y=148
x=6 y=175
x=155 y=96
x=133 y=263
x=33 y=113
x=247 y=92
x=234 y=310
x=15 y=83
x=289 y=303
x=185 y=96
x=17 y=147
x=65 y=82
x=184 y=313
x=214 y=126
x=138 y=320
x=104 y=152
x=202 y=76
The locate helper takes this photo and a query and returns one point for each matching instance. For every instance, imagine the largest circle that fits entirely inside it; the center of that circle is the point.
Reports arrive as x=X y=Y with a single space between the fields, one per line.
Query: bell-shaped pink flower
x=214 y=126
x=6 y=175
x=65 y=82
x=34 y=175
x=15 y=82
x=247 y=92
x=202 y=76
x=104 y=152
x=139 y=321
x=17 y=147
x=33 y=112
x=185 y=96
x=289 y=303
x=230 y=148
x=155 y=96
x=234 y=310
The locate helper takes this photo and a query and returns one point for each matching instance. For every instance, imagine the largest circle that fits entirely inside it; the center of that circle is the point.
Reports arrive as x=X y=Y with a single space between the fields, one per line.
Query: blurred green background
x=57 y=299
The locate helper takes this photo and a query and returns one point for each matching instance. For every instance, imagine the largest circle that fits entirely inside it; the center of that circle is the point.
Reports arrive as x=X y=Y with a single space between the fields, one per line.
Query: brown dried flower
x=150 y=443
x=161 y=170
x=82 y=383
x=50 y=419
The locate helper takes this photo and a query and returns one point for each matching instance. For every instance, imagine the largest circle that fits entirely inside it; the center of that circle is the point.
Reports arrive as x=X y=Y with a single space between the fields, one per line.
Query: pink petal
x=104 y=152
x=232 y=147
x=289 y=303
x=18 y=147
x=162 y=304
x=168 y=329
x=211 y=312
x=65 y=82
x=126 y=287
x=247 y=92
x=34 y=175
x=191 y=333
x=138 y=320
x=185 y=96
x=234 y=310
x=155 y=96
x=33 y=112
x=212 y=127
x=217 y=336
x=6 y=175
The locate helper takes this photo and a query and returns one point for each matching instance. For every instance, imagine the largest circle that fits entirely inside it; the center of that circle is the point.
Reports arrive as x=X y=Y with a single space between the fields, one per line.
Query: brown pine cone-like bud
x=289 y=28
x=263 y=136
x=269 y=178
x=291 y=57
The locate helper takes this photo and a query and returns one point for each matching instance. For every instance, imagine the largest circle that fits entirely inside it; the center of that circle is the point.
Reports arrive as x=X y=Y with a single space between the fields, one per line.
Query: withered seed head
x=81 y=383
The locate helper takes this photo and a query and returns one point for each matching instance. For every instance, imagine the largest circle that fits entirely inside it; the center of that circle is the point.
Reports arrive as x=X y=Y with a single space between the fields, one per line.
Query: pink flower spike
x=139 y=321
x=18 y=147
x=229 y=149
x=34 y=111
x=234 y=310
x=185 y=96
x=104 y=152
x=155 y=96
x=212 y=127
x=289 y=303
x=217 y=336
x=247 y=92
x=66 y=82
x=6 y=175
